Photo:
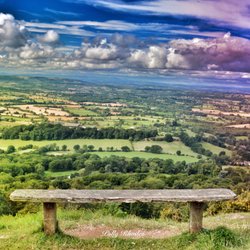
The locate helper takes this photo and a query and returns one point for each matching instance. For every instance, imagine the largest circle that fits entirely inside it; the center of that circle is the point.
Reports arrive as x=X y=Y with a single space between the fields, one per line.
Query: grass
x=104 y=143
x=60 y=174
x=81 y=111
x=241 y=137
x=24 y=232
x=215 y=149
x=190 y=132
x=4 y=124
x=170 y=148
x=123 y=121
x=146 y=155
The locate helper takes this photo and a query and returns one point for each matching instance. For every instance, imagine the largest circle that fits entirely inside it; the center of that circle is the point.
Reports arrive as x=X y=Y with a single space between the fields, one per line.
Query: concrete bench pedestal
x=195 y=197
x=196 y=216
x=50 y=219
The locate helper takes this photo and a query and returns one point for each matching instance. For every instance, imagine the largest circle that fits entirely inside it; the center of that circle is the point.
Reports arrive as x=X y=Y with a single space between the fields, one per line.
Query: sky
x=205 y=39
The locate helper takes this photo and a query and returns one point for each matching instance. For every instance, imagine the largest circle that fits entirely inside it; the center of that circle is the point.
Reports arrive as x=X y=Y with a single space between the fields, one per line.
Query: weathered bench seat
x=195 y=197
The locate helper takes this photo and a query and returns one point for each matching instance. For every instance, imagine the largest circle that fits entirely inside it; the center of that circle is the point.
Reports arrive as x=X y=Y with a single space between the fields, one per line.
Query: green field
x=60 y=174
x=190 y=133
x=146 y=155
x=123 y=121
x=215 y=149
x=170 y=148
x=4 y=124
x=81 y=111
x=104 y=143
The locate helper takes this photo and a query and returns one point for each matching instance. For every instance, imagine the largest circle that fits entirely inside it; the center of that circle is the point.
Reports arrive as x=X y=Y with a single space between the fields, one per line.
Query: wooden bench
x=195 y=197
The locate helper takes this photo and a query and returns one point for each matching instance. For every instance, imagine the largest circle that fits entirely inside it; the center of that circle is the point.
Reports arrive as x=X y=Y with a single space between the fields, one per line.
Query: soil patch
x=87 y=232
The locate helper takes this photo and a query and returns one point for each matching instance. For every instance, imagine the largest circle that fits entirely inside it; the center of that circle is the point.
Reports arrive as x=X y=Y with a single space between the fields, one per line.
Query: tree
x=64 y=147
x=178 y=152
x=10 y=149
x=39 y=168
x=85 y=148
x=5 y=206
x=76 y=147
x=175 y=123
x=168 y=138
x=155 y=149
x=125 y=149
x=91 y=148
x=60 y=184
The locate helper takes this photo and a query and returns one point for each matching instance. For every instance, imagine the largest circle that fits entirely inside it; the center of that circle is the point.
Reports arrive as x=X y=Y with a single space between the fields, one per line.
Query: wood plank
x=129 y=196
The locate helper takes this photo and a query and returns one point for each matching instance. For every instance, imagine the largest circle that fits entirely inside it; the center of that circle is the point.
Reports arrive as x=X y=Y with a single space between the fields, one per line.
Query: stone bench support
x=49 y=219
x=196 y=216
x=195 y=197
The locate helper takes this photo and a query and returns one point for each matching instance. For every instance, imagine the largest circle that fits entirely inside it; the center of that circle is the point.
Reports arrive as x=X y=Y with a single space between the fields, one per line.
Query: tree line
x=195 y=144
x=47 y=131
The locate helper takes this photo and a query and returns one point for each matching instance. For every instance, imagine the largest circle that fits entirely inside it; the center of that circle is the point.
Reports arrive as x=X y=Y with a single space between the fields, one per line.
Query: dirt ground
x=240 y=126
x=218 y=112
x=88 y=232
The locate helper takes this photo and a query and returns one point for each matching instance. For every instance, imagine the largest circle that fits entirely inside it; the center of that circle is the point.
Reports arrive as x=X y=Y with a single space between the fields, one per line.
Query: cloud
x=225 y=53
x=151 y=58
x=161 y=31
x=50 y=36
x=36 y=51
x=245 y=76
x=221 y=54
x=108 y=25
x=12 y=34
x=230 y=12
x=99 y=54
x=59 y=28
x=65 y=13
x=19 y=47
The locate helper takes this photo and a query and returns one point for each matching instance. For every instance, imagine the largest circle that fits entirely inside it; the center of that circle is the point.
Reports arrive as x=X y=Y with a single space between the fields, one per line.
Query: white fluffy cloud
x=152 y=57
x=50 y=36
x=100 y=54
x=36 y=51
x=18 y=47
x=12 y=34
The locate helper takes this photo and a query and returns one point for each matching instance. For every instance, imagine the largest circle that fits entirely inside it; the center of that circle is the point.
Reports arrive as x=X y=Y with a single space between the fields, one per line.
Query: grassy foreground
x=227 y=231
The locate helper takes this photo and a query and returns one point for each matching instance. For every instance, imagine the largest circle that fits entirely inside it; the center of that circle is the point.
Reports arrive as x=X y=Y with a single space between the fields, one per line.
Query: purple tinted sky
x=188 y=39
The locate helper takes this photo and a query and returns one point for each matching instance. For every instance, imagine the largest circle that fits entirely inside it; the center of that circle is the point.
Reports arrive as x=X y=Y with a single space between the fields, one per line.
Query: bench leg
x=49 y=220
x=196 y=214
